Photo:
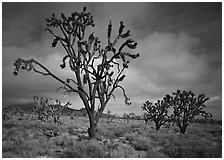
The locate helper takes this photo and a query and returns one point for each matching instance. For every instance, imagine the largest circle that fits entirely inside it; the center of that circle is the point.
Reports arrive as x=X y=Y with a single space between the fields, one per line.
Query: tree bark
x=92 y=130
x=182 y=127
x=183 y=130
x=157 y=125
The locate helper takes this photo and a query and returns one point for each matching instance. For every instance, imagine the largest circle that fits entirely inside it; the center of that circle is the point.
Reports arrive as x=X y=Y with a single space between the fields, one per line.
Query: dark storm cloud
x=179 y=44
x=24 y=23
x=21 y=23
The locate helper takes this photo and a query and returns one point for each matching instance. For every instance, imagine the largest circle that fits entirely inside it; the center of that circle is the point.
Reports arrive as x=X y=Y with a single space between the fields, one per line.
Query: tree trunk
x=182 y=127
x=157 y=125
x=92 y=130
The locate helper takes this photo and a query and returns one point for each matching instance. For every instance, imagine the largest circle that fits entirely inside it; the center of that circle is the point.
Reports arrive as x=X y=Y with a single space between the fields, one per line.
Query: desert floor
x=25 y=136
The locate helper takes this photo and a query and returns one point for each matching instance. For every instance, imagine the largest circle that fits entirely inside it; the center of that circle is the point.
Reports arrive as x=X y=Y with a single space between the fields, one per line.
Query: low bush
x=191 y=147
x=84 y=149
x=141 y=143
x=72 y=131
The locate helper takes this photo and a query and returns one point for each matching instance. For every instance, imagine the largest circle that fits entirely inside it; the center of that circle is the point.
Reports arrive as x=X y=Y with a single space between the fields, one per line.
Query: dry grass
x=24 y=138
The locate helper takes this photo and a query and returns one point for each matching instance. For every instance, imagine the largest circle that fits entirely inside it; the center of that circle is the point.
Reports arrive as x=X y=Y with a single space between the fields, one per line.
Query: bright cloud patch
x=167 y=59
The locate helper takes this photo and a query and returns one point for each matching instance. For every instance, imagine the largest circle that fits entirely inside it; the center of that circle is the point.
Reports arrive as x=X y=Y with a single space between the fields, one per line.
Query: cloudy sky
x=179 y=46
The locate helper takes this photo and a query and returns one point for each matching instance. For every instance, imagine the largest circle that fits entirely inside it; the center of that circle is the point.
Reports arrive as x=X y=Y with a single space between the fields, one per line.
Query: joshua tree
x=73 y=115
x=132 y=116
x=157 y=112
x=128 y=116
x=110 y=116
x=146 y=118
x=186 y=107
x=125 y=117
x=98 y=71
x=45 y=110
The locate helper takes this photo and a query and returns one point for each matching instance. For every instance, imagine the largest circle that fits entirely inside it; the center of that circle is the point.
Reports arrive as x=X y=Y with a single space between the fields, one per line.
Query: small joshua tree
x=41 y=108
x=73 y=116
x=157 y=112
x=98 y=71
x=110 y=116
x=146 y=118
x=126 y=117
x=45 y=110
x=132 y=116
x=186 y=106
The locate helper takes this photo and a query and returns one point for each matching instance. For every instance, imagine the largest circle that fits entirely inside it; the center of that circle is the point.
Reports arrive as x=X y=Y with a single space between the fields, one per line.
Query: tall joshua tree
x=97 y=71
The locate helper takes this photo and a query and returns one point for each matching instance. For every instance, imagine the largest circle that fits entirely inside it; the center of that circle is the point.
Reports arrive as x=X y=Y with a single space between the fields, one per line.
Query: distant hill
x=25 y=107
x=67 y=110
x=30 y=106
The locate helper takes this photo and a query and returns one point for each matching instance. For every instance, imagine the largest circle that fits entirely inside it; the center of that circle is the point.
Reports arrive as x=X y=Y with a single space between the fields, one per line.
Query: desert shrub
x=8 y=155
x=130 y=137
x=94 y=149
x=120 y=132
x=5 y=116
x=195 y=149
x=122 y=151
x=170 y=149
x=9 y=124
x=12 y=132
x=112 y=132
x=21 y=145
x=72 y=131
x=29 y=125
x=155 y=154
x=60 y=141
x=84 y=149
x=144 y=144
x=141 y=143
x=9 y=147
x=191 y=146
x=135 y=128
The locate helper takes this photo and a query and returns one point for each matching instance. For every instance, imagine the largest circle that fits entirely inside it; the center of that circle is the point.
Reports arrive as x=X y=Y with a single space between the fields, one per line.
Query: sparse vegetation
x=110 y=116
x=129 y=116
x=45 y=110
x=88 y=132
x=27 y=139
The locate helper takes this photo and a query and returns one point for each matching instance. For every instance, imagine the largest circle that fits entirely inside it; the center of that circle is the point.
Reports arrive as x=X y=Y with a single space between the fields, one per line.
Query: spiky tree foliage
x=41 y=107
x=158 y=112
x=45 y=110
x=186 y=106
x=97 y=71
